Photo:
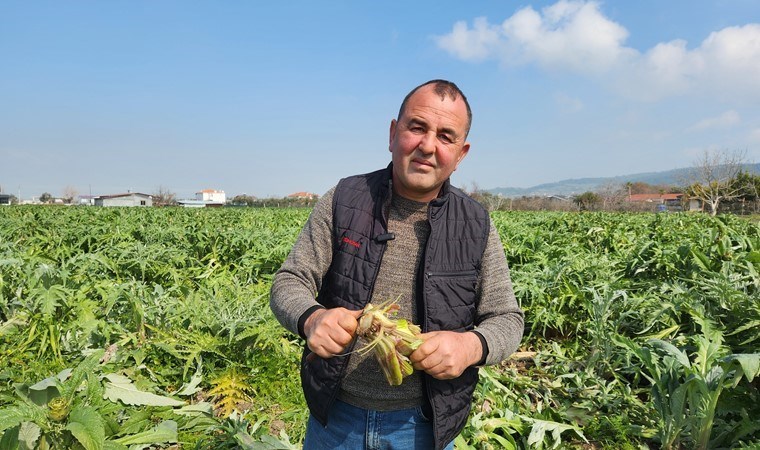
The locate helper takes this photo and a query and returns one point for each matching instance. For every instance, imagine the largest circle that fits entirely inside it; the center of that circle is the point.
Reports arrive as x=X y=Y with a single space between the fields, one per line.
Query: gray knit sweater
x=499 y=318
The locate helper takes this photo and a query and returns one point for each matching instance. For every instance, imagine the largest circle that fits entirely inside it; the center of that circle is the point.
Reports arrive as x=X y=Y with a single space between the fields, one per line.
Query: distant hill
x=575 y=186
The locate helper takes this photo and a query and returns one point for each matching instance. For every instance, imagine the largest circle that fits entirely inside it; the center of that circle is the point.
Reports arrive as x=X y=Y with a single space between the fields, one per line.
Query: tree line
x=719 y=181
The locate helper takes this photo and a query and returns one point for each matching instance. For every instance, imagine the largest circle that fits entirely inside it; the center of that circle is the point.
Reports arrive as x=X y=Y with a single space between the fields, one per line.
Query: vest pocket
x=454 y=274
x=450 y=296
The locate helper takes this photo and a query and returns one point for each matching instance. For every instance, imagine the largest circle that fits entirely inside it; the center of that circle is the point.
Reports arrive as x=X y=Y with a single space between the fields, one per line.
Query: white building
x=211 y=195
x=128 y=199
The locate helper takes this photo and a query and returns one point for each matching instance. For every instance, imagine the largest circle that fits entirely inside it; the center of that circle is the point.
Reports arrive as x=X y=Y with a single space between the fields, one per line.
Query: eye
x=446 y=138
x=416 y=129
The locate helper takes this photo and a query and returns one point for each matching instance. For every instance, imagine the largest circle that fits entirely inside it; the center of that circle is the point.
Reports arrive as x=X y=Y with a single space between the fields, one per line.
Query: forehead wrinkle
x=455 y=122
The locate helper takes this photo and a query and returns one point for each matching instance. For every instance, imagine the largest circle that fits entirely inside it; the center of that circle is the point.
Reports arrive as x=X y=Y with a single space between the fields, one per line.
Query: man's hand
x=329 y=331
x=445 y=354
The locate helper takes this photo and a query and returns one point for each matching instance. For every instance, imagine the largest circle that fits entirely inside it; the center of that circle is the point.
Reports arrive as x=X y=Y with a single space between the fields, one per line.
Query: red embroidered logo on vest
x=351 y=242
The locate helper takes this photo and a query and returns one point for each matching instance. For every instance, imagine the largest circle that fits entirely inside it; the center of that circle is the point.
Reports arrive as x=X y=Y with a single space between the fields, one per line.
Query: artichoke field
x=150 y=328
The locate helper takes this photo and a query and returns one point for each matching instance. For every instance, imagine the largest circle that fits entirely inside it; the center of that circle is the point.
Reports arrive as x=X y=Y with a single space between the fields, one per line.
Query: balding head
x=442 y=88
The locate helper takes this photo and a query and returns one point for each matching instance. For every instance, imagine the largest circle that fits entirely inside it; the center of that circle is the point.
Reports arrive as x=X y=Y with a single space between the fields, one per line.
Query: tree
x=46 y=197
x=749 y=191
x=612 y=195
x=748 y=185
x=588 y=201
x=243 y=199
x=711 y=180
x=69 y=193
x=164 y=197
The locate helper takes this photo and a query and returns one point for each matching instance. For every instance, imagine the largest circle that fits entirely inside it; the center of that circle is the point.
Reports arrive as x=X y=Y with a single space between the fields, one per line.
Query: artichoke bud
x=58 y=409
x=392 y=340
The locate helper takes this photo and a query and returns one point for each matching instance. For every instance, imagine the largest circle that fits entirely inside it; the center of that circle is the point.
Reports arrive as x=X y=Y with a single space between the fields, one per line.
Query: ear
x=392 y=134
x=463 y=153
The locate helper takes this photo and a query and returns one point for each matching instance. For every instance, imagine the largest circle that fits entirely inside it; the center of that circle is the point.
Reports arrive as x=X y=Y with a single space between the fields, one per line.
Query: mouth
x=422 y=162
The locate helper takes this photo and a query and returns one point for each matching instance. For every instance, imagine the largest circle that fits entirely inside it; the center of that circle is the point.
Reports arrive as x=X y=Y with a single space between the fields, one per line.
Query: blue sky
x=270 y=98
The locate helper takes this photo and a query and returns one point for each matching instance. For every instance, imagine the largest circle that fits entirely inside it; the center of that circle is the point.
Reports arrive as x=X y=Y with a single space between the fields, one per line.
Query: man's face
x=427 y=144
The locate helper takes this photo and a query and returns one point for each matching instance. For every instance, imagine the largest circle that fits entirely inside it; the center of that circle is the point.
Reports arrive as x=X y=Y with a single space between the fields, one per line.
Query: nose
x=427 y=143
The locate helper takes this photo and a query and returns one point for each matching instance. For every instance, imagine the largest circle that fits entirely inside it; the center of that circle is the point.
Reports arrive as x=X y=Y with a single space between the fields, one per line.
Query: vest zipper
x=353 y=343
x=422 y=312
x=451 y=274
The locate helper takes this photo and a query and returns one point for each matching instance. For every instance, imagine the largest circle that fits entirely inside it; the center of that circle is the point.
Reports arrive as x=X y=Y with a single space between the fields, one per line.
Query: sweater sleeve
x=499 y=318
x=296 y=284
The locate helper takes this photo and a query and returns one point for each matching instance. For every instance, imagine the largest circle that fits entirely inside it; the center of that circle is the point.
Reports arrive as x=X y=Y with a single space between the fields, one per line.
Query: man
x=401 y=232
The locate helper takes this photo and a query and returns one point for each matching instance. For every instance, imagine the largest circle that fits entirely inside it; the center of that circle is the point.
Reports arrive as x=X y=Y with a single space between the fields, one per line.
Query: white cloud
x=570 y=35
x=731 y=58
x=575 y=36
x=471 y=44
x=725 y=120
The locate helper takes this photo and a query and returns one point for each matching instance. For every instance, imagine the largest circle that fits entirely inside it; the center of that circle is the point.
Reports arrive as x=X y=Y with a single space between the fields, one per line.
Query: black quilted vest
x=446 y=286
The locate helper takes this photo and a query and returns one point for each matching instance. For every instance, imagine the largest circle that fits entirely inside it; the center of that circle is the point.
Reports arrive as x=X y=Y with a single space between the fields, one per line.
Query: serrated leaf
x=269 y=442
x=28 y=435
x=536 y=436
x=121 y=388
x=80 y=373
x=192 y=387
x=749 y=362
x=87 y=427
x=165 y=432
x=672 y=350
x=14 y=415
x=202 y=408
x=541 y=427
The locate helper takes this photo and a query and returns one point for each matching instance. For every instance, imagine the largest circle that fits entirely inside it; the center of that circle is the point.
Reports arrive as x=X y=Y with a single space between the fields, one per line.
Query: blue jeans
x=352 y=428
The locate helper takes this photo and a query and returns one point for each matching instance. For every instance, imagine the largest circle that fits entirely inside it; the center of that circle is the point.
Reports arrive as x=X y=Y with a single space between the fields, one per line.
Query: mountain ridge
x=574 y=186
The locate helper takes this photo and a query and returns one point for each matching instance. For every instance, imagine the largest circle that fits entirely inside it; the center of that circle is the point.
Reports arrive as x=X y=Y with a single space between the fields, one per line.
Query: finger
x=341 y=337
x=423 y=351
x=431 y=363
x=327 y=350
x=348 y=322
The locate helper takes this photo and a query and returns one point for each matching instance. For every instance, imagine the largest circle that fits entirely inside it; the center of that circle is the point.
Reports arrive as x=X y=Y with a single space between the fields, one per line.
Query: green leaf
x=507 y=443
x=269 y=442
x=11 y=417
x=192 y=387
x=79 y=374
x=749 y=362
x=87 y=427
x=166 y=431
x=28 y=435
x=16 y=414
x=51 y=381
x=10 y=439
x=120 y=388
x=671 y=349
x=197 y=409
x=541 y=427
x=701 y=259
x=47 y=389
x=666 y=332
